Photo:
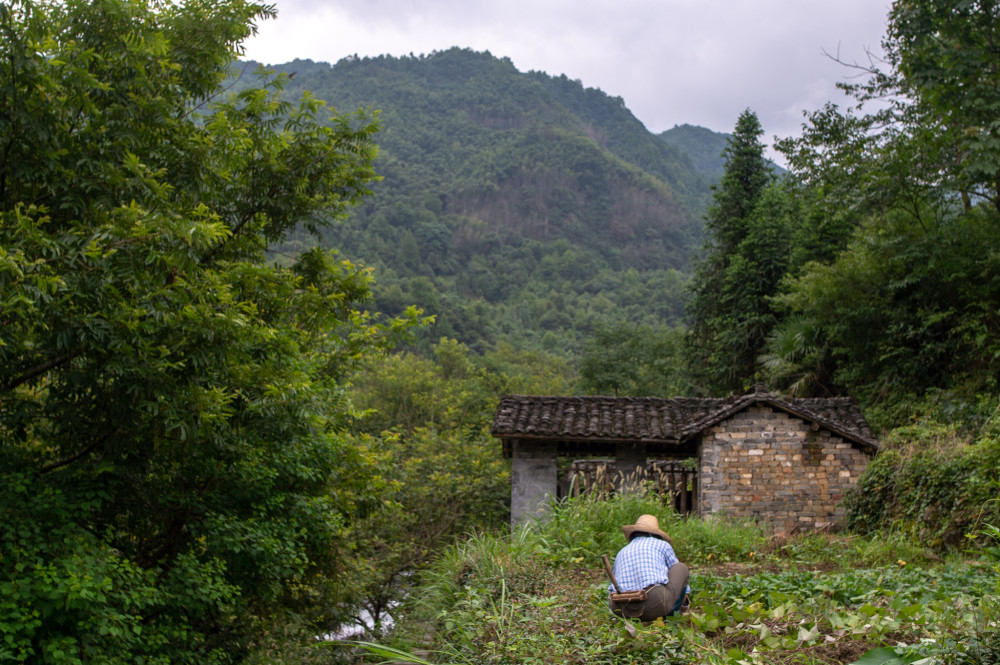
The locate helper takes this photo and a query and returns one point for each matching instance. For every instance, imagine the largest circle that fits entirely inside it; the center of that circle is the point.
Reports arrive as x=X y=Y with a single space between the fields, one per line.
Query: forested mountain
x=515 y=206
x=702 y=145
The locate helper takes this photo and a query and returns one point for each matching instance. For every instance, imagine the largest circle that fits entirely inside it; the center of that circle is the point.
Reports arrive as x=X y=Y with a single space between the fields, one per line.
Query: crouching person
x=648 y=563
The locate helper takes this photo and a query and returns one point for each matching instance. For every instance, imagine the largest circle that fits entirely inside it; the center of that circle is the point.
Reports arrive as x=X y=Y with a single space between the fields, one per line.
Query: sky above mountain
x=700 y=62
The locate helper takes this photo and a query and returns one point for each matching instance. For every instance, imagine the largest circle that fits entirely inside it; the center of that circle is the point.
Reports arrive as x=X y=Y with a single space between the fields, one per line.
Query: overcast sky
x=673 y=61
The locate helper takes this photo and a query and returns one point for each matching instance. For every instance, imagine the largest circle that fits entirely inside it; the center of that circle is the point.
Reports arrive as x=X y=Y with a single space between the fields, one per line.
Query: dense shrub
x=930 y=483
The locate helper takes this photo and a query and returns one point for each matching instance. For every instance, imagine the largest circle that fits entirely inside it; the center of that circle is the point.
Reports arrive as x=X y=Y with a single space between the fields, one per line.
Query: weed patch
x=540 y=596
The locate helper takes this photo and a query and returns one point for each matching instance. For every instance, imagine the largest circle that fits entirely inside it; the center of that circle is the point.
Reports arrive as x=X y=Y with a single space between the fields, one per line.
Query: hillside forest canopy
x=255 y=321
x=514 y=207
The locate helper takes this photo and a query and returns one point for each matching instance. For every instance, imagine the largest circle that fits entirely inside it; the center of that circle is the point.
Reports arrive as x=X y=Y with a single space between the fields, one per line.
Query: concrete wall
x=768 y=465
x=534 y=479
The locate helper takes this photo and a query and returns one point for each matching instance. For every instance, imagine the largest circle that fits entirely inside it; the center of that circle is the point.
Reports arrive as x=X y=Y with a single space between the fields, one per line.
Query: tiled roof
x=661 y=420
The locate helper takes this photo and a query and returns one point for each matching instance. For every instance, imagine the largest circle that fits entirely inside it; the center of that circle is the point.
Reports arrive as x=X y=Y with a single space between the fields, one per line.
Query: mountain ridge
x=497 y=182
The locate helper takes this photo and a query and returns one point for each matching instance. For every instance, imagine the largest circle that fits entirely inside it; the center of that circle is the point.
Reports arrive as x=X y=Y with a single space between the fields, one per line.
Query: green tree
x=910 y=302
x=406 y=391
x=903 y=309
x=746 y=254
x=947 y=57
x=735 y=197
x=633 y=360
x=796 y=358
x=923 y=133
x=172 y=480
x=429 y=419
x=530 y=372
x=441 y=485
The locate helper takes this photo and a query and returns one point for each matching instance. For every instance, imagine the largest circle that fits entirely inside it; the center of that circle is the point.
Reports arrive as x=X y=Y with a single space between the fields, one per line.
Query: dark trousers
x=662 y=600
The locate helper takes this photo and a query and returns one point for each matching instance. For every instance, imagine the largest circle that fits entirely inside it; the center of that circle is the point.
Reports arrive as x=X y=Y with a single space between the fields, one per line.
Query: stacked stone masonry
x=777 y=468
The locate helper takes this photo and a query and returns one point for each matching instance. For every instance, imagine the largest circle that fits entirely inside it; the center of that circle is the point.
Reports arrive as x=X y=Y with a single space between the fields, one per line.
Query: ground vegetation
x=540 y=595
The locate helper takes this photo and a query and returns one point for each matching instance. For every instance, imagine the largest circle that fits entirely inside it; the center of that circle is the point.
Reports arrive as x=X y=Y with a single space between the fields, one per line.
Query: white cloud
x=672 y=61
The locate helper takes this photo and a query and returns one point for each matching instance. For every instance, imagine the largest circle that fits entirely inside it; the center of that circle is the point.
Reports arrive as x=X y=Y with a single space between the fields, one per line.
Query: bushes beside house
x=932 y=482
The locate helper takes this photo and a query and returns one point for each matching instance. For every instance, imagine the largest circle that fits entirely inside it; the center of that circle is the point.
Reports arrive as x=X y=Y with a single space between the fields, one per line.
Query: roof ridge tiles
x=595 y=417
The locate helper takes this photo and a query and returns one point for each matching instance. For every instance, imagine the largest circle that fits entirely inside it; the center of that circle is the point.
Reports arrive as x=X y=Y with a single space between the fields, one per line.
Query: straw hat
x=646 y=524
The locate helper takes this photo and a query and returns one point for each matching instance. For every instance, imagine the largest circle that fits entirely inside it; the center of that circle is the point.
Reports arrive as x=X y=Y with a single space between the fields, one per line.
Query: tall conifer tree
x=745 y=177
x=744 y=258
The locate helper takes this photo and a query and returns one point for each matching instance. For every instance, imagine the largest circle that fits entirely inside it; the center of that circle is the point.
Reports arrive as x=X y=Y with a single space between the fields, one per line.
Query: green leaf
x=884 y=656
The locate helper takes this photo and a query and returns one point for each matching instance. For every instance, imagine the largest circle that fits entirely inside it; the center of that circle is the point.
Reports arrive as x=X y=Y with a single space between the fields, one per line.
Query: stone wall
x=772 y=466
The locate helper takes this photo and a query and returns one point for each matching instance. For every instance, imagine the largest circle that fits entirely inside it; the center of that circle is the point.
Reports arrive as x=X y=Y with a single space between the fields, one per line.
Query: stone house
x=784 y=461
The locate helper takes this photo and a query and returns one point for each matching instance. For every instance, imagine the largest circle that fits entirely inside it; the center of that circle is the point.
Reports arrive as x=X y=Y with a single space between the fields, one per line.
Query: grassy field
x=539 y=596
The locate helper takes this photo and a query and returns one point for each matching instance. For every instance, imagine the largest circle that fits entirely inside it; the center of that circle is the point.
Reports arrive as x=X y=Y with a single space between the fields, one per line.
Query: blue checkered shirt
x=642 y=563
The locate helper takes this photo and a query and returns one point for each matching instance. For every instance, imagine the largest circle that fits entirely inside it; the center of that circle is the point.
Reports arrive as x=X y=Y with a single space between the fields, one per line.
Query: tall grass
x=537 y=595
x=584 y=528
x=578 y=531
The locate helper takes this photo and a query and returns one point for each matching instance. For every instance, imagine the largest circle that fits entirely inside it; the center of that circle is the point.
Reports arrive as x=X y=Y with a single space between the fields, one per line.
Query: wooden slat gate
x=677 y=479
